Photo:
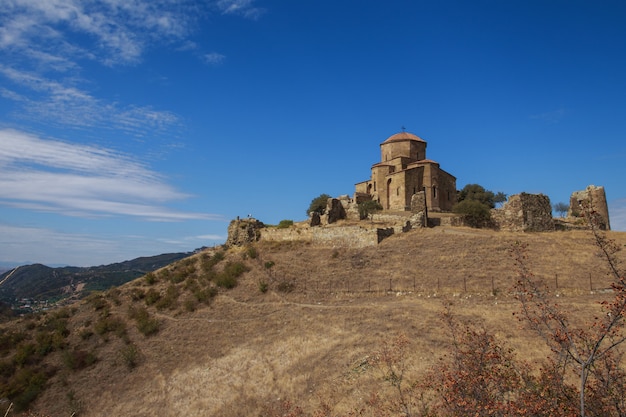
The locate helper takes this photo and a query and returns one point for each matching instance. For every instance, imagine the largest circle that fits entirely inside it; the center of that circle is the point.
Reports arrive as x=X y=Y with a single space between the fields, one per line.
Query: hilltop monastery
x=403 y=172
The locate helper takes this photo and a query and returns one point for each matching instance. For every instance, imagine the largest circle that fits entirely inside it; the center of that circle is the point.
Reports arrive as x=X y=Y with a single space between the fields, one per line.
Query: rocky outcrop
x=315 y=219
x=335 y=210
x=244 y=231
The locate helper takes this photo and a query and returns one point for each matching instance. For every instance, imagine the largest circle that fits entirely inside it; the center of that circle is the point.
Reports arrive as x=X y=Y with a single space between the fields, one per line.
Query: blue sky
x=137 y=127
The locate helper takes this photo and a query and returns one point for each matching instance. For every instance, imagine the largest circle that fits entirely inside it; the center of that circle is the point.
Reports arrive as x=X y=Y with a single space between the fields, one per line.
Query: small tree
x=499 y=198
x=592 y=349
x=561 y=208
x=318 y=204
x=475 y=213
x=368 y=208
x=475 y=192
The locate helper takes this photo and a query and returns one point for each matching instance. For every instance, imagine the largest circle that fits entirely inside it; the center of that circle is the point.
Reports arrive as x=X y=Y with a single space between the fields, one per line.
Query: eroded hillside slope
x=299 y=323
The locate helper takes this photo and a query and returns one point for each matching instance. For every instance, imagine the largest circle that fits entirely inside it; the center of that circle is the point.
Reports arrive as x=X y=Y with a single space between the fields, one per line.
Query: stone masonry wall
x=525 y=212
x=341 y=236
x=594 y=197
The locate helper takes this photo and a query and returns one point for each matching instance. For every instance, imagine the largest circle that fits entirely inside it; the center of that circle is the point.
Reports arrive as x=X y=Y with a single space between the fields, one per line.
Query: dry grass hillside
x=299 y=324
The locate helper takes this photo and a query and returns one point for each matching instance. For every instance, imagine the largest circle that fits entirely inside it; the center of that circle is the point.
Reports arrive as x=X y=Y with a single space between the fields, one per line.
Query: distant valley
x=34 y=287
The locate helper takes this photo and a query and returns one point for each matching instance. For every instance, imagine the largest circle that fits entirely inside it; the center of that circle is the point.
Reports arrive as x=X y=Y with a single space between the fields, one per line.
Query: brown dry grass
x=249 y=348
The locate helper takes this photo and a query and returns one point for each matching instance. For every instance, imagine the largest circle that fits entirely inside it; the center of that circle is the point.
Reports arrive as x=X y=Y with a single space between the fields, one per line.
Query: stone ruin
x=522 y=212
x=525 y=213
x=244 y=231
x=346 y=208
x=592 y=199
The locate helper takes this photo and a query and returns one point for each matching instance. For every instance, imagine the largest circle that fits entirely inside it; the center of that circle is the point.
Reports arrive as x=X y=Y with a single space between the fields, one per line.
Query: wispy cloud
x=243 y=8
x=44 y=45
x=82 y=180
x=120 y=30
x=60 y=103
x=214 y=58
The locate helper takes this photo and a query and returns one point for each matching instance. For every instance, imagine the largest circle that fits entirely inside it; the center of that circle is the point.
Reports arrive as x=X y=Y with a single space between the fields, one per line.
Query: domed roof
x=403 y=136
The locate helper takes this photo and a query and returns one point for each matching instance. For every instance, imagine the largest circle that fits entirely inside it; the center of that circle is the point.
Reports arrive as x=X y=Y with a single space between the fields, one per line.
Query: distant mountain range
x=39 y=282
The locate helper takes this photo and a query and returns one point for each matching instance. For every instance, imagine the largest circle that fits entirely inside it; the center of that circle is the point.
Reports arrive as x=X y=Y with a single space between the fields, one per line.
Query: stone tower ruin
x=594 y=198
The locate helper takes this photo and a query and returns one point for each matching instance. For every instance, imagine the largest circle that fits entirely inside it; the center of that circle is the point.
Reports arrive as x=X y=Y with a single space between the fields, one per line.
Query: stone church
x=403 y=172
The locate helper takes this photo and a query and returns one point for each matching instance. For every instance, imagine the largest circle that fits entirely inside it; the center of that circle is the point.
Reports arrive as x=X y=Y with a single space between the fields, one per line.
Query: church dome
x=403 y=136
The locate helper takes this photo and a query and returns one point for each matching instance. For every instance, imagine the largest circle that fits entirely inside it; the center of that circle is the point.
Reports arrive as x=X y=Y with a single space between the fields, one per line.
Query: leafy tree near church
x=475 y=192
x=474 y=202
x=318 y=204
x=367 y=208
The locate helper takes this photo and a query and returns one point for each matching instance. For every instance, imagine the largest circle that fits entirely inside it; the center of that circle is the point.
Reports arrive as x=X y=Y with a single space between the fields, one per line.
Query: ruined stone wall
x=342 y=236
x=243 y=231
x=526 y=213
x=594 y=198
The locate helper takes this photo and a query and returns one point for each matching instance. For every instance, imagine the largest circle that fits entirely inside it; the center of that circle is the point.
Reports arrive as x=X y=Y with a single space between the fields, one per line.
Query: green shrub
x=85 y=334
x=205 y=295
x=76 y=359
x=286 y=286
x=475 y=213
x=110 y=324
x=130 y=355
x=263 y=286
x=146 y=324
x=228 y=277
x=114 y=294
x=137 y=294
x=190 y=305
x=179 y=276
x=208 y=262
x=9 y=339
x=286 y=224
x=48 y=342
x=150 y=278
x=26 y=354
x=251 y=252
x=24 y=387
x=169 y=299
x=152 y=296
x=367 y=208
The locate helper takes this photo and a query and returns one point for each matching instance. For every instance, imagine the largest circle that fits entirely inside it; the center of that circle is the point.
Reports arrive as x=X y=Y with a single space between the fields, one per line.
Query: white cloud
x=214 y=58
x=243 y=8
x=63 y=104
x=119 y=30
x=82 y=180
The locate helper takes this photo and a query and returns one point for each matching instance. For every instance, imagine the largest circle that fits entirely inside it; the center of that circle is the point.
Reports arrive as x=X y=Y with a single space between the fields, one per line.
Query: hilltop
x=287 y=320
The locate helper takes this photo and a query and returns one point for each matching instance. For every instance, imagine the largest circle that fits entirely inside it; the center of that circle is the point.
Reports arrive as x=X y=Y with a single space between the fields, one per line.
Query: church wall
x=413 y=184
x=447 y=191
x=396 y=191
x=378 y=184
